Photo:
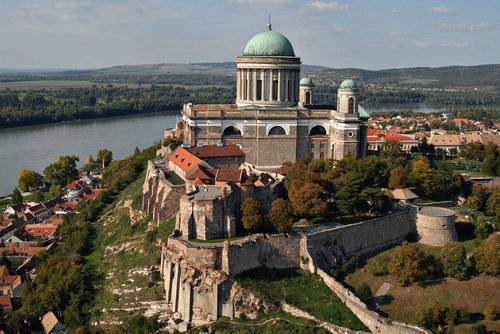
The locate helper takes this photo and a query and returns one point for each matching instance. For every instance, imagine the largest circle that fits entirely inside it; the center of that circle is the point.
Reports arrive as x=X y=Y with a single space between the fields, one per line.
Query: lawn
x=126 y=257
x=402 y=302
x=302 y=290
x=270 y=323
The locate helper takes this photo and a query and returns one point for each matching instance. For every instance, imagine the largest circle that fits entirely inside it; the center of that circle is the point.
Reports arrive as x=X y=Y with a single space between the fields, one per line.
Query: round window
x=350 y=134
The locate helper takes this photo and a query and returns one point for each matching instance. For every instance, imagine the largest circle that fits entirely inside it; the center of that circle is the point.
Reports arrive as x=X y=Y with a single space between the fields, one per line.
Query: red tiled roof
x=37 y=209
x=11 y=280
x=375 y=132
x=5 y=303
x=398 y=137
x=184 y=159
x=201 y=173
x=214 y=151
x=460 y=121
x=40 y=230
x=4 y=271
x=76 y=185
x=229 y=175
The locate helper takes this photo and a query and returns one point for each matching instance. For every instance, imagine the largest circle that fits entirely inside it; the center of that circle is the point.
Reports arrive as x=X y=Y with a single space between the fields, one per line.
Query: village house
x=52 y=325
x=10 y=287
x=75 y=189
x=377 y=138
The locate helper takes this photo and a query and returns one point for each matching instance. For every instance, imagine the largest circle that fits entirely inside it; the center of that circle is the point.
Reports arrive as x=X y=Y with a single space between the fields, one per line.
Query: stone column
x=238 y=84
x=176 y=285
x=270 y=85
x=254 y=85
x=188 y=301
x=287 y=88
x=248 y=84
x=292 y=86
x=167 y=277
x=279 y=85
x=262 y=85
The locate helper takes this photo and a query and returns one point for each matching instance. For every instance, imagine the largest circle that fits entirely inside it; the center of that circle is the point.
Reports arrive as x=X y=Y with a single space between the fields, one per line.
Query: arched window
x=231 y=131
x=308 y=97
x=318 y=130
x=351 y=105
x=277 y=131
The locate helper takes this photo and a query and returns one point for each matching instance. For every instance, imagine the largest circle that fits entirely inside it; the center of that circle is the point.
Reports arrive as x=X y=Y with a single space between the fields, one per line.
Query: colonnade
x=267 y=84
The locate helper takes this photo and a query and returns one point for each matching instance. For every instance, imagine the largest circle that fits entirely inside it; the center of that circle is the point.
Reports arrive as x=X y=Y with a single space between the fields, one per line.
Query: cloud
x=466 y=27
x=441 y=10
x=420 y=45
x=320 y=5
x=457 y=45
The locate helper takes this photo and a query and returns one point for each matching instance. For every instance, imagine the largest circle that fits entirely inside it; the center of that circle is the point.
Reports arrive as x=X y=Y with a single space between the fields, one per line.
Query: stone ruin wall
x=328 y=247
x=160 y=197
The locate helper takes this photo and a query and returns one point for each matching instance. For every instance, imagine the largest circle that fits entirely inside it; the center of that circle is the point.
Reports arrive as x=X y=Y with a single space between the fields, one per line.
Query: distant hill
x=485 y=77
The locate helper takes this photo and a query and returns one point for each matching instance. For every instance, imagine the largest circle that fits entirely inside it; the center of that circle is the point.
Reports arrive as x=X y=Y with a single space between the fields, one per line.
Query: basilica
x=274 y=118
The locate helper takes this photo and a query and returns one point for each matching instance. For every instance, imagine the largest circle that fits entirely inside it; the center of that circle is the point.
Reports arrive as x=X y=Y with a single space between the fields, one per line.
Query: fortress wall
x=374 y=321
x=326 y=246
x=273 y=251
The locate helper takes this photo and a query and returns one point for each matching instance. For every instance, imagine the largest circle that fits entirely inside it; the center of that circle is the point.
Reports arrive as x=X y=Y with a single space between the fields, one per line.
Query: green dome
x=306 y=81
x=269 y=43
x=348 y=84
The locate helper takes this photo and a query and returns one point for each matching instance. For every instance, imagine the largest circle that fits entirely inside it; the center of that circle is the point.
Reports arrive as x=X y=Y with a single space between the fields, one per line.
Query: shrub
x=453 y=259
x=487 y=256
x=410 y=264
x=346 y=267
x=482 y=229
x=438 y=316
x=490 y=312
x=364 y=293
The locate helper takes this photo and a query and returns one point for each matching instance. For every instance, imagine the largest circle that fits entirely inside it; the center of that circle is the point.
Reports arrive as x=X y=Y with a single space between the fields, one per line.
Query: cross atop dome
x=269 y=24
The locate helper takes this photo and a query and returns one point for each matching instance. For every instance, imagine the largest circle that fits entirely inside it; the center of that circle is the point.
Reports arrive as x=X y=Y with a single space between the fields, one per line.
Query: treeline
x=65 y=283
x=38 y=107
x=168 y=79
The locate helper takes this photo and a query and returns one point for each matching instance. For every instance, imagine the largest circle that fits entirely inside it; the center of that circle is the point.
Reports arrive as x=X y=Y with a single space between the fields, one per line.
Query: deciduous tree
x=104 y=157
x=62 y=171
x=487 y=256
x=410 y=264
x=453 y=259
x=423 y=175
x=397 y=179
x=280 y=215
x=16 y=197
x=306 y=198
x=251 y=216
x=29 y=179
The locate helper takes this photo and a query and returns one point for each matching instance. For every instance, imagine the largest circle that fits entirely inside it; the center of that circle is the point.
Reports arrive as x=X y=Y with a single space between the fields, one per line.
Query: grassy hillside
x=126 y=257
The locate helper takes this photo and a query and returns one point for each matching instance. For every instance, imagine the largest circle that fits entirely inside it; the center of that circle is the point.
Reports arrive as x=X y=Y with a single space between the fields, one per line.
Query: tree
x=487 y=256
x=490 y=312
x=453 y=259
x=392 y=148
x=410 y=264
x=62 y=171
x=493 y=203
x=306 y=198
x=397 y=179
x=251 y=218
x=482 y=228
x=55 y=191
x=16 y=197
x=38 y=197
x=172 y=142
x=364 y=293
x=104 y=157
x=478 y=199
x=377 y=202
x=423 y=175
x=280 y=215
x=29 y=179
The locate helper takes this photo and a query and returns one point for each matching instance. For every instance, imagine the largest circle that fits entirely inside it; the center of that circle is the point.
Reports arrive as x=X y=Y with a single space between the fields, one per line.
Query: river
x=37 y=146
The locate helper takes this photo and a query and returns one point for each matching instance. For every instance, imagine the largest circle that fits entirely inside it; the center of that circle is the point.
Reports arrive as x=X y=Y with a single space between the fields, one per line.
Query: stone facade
x=161 y=191
x=436 y=226
x=209 y=212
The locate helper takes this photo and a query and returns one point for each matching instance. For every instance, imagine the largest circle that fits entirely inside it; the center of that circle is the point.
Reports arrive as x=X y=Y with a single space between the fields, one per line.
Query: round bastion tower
x=267 y=72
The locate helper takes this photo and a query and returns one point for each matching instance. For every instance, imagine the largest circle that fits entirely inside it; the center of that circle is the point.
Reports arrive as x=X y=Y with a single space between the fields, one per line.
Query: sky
x=369 y=34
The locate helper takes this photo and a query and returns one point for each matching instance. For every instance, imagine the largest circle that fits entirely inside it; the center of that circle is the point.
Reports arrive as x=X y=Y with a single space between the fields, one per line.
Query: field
x=302 y=290
x=60 y=84
x=401 y=303
x=126 y=257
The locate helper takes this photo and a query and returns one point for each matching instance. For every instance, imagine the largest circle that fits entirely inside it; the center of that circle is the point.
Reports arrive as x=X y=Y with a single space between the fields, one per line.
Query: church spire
x=269 y=25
